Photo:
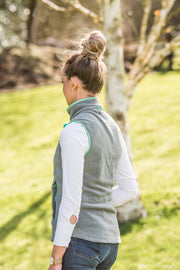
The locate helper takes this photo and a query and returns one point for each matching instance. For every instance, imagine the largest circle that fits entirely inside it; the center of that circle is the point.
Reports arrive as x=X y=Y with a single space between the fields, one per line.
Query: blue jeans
x=85 y=255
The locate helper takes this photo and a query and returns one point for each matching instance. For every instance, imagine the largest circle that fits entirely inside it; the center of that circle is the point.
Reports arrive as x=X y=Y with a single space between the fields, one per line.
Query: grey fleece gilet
x=97 y=219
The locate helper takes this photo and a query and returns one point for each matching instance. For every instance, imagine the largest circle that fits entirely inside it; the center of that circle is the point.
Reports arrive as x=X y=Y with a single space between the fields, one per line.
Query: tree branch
x=141 y=64
x=131 y=24
x=159 y=23
x=164 y=52
x=53 y=6
x=75 y=4
x=173 y=14
x=144 y=25
x=155 y=61
x=171 y=28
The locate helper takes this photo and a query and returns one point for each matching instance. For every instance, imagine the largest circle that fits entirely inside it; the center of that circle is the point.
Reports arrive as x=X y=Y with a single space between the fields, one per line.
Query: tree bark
x=30 y=21
x=116 y=100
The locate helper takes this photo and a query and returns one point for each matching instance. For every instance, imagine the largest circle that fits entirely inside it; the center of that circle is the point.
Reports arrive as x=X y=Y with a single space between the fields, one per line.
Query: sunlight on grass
x=31 y=122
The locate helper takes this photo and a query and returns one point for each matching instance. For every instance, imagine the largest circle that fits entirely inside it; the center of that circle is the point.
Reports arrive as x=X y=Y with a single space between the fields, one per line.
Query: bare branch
x=142 y=61
x=77 y=5
x=144 y=25
x=159 y=22
x=173 y=14
x=171 y=28
x=155 y=61
x=53 y=5
x=132 y=25
x=164 y=52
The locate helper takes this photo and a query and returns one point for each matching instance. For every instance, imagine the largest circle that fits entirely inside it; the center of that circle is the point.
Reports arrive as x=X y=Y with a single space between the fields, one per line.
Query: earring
x=72 y=89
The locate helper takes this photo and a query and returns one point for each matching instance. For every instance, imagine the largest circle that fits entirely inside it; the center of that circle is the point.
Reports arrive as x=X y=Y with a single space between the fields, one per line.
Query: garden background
x=32 y=114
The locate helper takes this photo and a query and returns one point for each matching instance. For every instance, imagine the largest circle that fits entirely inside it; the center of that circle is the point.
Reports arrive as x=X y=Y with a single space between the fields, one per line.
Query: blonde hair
x=88 y=65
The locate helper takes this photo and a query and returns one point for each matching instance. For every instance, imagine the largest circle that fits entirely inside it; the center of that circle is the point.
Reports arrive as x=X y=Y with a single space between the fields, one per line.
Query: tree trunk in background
x=32 y=7
x=116 y=99
x=33 y=26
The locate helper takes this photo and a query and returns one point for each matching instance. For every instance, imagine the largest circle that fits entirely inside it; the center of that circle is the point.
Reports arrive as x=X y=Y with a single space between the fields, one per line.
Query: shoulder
x=71 y=129
x=74 y=133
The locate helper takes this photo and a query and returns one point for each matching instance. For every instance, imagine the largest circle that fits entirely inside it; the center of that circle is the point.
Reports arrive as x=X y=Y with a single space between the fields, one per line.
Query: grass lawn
x=31 y=122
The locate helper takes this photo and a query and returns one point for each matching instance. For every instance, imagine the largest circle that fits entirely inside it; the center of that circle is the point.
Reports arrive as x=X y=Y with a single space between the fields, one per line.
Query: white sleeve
x=74 y=144
x=126 y=189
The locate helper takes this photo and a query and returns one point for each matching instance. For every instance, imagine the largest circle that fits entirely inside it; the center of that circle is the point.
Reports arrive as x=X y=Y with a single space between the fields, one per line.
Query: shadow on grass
x=11 y=225
x=127 y=227
x=163 y=212
x=152 y=219
x=167 y=212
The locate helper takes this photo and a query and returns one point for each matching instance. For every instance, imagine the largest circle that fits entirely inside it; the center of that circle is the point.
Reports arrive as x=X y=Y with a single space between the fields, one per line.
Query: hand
x=55 y=267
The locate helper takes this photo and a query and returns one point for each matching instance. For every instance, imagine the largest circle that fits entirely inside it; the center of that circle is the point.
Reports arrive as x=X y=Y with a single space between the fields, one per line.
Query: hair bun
x=94 y=46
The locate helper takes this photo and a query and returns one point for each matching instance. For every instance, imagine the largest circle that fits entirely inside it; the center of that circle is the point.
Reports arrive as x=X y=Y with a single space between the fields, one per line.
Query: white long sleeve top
x=74 y=144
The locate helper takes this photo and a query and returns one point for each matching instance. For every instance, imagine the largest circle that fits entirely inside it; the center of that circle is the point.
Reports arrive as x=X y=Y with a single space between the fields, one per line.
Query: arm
x=74 y=144
x=126 y=189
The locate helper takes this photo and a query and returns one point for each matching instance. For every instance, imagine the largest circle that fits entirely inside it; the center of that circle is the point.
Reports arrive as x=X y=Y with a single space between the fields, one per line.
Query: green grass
x=154 y=243
x=31 y=122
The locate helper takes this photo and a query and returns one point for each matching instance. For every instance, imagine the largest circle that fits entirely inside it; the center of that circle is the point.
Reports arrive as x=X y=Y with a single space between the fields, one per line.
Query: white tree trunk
x=116 y=99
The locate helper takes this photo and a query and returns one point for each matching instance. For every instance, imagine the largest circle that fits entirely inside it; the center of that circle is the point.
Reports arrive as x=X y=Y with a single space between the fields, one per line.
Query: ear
x=75 y=82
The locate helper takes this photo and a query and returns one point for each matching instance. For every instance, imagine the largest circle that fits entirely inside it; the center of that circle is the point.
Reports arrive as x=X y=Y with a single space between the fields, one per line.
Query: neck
x=87 y=103
x=84 y=94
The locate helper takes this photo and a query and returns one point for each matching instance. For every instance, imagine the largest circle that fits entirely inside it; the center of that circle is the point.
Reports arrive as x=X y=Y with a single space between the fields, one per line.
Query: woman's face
x=67 y=89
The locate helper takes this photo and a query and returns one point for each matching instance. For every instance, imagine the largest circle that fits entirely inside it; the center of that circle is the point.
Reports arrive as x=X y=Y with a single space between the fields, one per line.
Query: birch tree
x=118 y=92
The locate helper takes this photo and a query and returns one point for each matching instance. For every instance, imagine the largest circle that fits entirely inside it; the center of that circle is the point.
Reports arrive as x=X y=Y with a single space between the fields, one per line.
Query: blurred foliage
x=30 y=66
x=13 y=20
x=14 y=16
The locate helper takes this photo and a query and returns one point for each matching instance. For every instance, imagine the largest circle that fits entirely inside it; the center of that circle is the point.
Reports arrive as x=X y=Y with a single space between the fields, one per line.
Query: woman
x=89 y=157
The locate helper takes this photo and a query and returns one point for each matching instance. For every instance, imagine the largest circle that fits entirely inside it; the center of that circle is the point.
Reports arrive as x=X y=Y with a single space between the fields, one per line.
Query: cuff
x=63 y=234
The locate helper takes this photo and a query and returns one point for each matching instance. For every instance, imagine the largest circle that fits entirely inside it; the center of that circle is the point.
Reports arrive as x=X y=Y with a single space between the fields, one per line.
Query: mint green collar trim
x=79 y=101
